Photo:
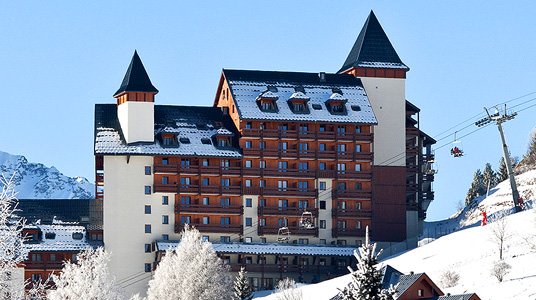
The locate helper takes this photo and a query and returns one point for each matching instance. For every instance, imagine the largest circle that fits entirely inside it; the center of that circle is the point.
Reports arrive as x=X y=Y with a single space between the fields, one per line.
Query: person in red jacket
x=484 y=219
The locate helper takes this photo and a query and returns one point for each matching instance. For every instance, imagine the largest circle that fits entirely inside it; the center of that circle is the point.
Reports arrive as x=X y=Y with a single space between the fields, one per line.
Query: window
x=224 y=240
x=358 y=186
x=165 y=219
x=263 y=240
x=167 y=141
x=341 y=168
x=341 y=148
x=322 y=204
x=358 y=206
x=248 y=125
x=165 y=161
x=322 y=128
x=303 y=166
x=186 y=200
x=303 y=241
x=283 y=127
x=303 y=147
x=262 y=164
x=204 y=163
x=52 y=257
x=36 y=277
x=262 y=183
x=185 y=162
x=36 y=257
x=147 y=268
x=248 y=182
x=225 y=182
x=341 y=186
x=184 y=140
x=147 y=209
x=248 y=145
x=206 y=220
x=303 y=204
x=262 y=145
x=267 y=105
x=249 y=202
x=282 y=185
x=249 y=222
x=165 y=237
x=147 y=170
x=341 y=263
x=282 y=222
x=358 y=225
x=282 y=166
x=321 y=147
x=341 y=224
x=165 y=180
x=355 y=107
x=224 y=142
x=74 y=257
x=248 y=164
x=303 y=185
x=317 y=107
x=357 y=148
x=262 y=202
x=322 y=185
x=205 y=238
x=185 y=220
x=225 y=202
x=225 y=221
x=322 y=224
x=147 y=190
x=248 y=240
x=358 y=129
x=205 y=181
x=337 y=108
x=262 y=222
x=341 y=205
x=147 y=248
x=322 y=242
x=358 y=167
x=165 y=200
x=283 y=146
x=420 y=293
x=341 y=129
x=282 y=203
x=147 y=228
x=185 y=181
x=206 y=141
x=206 y=201
x=225 y=163
x=322 y=166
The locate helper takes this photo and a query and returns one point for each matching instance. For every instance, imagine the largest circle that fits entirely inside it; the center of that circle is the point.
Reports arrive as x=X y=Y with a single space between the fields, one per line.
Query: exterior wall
x=388 y=99
x=137 y=121
x=124 y=219
x=427 y=287
x=251 y=212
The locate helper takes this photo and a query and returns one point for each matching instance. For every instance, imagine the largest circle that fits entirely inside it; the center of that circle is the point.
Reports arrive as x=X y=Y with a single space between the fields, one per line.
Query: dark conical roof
x=136 y=78
x=373 y=49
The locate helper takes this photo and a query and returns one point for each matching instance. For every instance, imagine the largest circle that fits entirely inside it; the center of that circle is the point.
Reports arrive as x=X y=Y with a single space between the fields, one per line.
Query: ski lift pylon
x=457 y=147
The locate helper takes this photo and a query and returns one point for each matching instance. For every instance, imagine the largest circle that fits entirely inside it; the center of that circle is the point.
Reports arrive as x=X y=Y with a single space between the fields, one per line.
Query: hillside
x=37 y=181
x=470 y=252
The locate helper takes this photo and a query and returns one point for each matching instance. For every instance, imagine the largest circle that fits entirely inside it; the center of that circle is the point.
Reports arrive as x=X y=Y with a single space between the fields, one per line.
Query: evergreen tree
x=242 y=289
x=502 y=173
x=530 y=156
x=366 y=279
x=477 y=187
x=191 y=271
x=488 y=176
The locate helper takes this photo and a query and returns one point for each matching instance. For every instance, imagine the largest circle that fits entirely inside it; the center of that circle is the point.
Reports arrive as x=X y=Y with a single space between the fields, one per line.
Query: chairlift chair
x=307 y=220
x=457 y=147
x=283 y=234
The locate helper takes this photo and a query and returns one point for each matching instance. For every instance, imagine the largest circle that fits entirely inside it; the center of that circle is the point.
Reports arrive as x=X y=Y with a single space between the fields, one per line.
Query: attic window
x=184 y=140
x=267 y=105
x=50 y=235
x=355 y=107
x=168 y=140
x=317 y=107
x=78 y=235
x=224 y=142
x=267 y=100
x=206 y=141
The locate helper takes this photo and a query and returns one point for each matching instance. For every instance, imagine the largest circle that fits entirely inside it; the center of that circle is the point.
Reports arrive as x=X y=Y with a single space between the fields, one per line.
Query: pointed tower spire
x=136 y=78
x=372 y=49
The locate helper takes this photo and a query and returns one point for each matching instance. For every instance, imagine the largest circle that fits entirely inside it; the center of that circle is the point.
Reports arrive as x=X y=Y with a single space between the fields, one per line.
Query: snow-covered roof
x=198 y=124
x=247 y=86
x=383 y=65
x=250 y=248
x=299 y=96
x=63 y=240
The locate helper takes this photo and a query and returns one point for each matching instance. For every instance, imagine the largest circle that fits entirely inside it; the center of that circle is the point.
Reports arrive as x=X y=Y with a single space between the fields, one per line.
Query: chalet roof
x=455 y=297
x=412 y=107
x=63 y=240
x=406 y=281
x=136 y=78
x=372 y=49
x=192 y=122
x=247 y=86
x=250 y=248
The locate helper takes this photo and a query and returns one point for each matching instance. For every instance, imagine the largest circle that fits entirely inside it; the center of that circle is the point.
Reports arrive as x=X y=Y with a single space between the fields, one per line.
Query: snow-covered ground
x=37 y=181
x=469 y=249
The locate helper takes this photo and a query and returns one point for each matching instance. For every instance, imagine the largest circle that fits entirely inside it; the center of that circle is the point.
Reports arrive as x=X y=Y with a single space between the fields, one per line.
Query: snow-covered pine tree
x=12 y=251
x=476 y=189
x=488 y=176
x=87 y=278
x=367 y=279
x=242 y=289
x=191 y=271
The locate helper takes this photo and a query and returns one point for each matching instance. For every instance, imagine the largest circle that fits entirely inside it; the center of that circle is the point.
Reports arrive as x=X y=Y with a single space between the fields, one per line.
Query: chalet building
x=306 y=160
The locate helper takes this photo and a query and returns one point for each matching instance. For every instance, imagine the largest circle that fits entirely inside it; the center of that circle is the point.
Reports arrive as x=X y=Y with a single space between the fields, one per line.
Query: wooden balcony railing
x=298 y=134
x=337 y=232
x=359 y=194
x=289 y=268
x=209 y=209
x=294 y=230
x=48 y=265
x=285 y=211
x=212 y=228
x=352 y=213
x=271 y=191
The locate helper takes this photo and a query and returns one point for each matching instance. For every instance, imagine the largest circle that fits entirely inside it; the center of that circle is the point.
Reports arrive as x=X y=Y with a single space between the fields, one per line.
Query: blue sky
x=59 y=58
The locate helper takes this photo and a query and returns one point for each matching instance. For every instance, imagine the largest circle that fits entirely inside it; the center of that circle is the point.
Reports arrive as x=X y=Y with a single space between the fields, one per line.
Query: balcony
x=287 y=268
x=271 y=172
x=285 y=211
x=212 y=228
x=209 y=209
x=338 y=232
x=297 y=134
x=270 y=191
x=219 y=190
x=358 y=194
x=165 y=188
x=294 y=230
x=350 y=213
x=44 y=265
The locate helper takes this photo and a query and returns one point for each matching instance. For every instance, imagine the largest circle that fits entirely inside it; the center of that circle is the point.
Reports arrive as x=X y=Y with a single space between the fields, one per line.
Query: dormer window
x=267 y=101
x=224 y=142
x=298 y=102
x=169 y=140
x=336 y=104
